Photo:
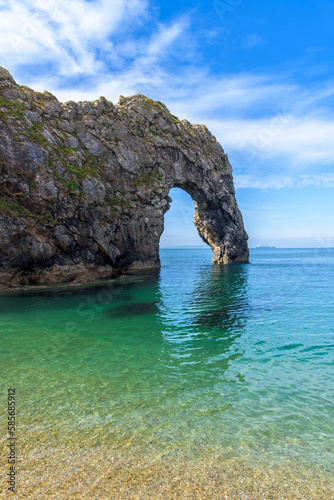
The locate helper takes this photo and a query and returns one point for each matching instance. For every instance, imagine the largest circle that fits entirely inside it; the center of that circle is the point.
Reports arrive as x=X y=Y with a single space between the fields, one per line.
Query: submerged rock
x=84 y=186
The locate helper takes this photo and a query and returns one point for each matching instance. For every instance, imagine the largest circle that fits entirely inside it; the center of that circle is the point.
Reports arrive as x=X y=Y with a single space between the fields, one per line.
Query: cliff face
x=84 y=186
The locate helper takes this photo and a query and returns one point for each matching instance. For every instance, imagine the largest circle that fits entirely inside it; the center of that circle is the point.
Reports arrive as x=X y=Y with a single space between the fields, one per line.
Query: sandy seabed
x=104 y=473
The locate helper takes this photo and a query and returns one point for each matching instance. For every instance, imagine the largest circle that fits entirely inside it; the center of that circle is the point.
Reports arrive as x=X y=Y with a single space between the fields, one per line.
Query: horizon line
x=199 y=247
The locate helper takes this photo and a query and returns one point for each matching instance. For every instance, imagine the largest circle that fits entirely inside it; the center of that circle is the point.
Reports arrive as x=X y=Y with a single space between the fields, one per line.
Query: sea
x=195 y=380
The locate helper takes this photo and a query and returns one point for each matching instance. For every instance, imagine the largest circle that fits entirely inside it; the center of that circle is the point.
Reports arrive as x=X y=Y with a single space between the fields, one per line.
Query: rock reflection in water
x=134 y=309
x=201 y=322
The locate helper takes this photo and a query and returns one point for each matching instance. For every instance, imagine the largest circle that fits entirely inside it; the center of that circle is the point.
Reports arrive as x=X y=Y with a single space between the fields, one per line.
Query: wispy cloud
x=276 y=181
x=299 y=140
x=67 y=35
x=282 y=132
x=254 y=40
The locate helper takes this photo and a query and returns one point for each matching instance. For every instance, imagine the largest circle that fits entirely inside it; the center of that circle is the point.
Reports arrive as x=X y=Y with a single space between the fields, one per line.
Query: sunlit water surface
x=189 y=360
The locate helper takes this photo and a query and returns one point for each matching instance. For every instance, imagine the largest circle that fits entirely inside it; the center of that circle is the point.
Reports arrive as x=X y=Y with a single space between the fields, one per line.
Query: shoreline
x=4 y=289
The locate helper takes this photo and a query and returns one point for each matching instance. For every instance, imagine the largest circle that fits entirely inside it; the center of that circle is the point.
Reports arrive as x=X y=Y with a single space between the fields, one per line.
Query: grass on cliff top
x=6 y=103
x=70 y=185
x=146 y=180
x=13 y=110
x=117 y=201
x=80 y=172
x=35 y=134
x=15 y=209
x=67 y=150
x=153 y=131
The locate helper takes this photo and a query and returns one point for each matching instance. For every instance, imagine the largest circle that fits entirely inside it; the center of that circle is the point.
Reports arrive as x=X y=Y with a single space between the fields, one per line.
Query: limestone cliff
x=84 y=186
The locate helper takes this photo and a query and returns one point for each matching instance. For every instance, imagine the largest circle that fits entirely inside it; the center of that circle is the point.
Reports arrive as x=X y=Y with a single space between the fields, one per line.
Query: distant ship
x=265 y=246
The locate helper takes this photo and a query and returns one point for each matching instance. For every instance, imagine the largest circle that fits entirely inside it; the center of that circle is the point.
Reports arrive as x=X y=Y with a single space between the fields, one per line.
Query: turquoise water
x=189 y=360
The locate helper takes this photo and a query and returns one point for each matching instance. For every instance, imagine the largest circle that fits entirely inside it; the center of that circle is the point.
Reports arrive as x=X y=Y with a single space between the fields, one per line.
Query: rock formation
x=84 y=186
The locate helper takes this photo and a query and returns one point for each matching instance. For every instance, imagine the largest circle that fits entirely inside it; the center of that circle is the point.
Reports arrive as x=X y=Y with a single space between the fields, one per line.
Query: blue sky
x=259 y=74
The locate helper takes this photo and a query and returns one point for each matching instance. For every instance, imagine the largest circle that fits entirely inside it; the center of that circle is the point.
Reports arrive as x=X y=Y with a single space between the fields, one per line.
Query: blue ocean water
x=188 y=360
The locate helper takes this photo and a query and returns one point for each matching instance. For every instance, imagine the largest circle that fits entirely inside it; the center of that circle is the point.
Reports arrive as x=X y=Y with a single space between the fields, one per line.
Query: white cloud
x=276 y=181
x=281 y=131
x=64 y=33
x=232 y=94
x=301 y=141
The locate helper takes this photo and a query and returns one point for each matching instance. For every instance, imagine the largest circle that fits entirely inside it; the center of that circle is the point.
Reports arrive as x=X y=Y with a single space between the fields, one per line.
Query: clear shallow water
x=189 y=360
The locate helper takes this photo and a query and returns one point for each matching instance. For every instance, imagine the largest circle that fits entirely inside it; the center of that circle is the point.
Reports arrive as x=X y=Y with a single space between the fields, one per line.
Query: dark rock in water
x=84 y=186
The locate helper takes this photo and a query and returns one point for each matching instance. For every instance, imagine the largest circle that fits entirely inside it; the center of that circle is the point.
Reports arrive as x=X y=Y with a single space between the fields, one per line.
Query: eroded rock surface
x=84 y=186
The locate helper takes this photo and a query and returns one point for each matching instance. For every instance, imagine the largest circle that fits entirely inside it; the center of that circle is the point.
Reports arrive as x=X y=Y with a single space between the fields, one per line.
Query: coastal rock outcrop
x=84 y=186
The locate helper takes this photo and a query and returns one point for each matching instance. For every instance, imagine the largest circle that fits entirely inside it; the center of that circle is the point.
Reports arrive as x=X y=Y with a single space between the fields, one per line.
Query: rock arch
x=85 y=186
x=217 y=217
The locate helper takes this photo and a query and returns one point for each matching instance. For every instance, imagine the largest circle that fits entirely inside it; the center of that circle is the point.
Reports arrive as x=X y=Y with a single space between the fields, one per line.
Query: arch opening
x=179 y=229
